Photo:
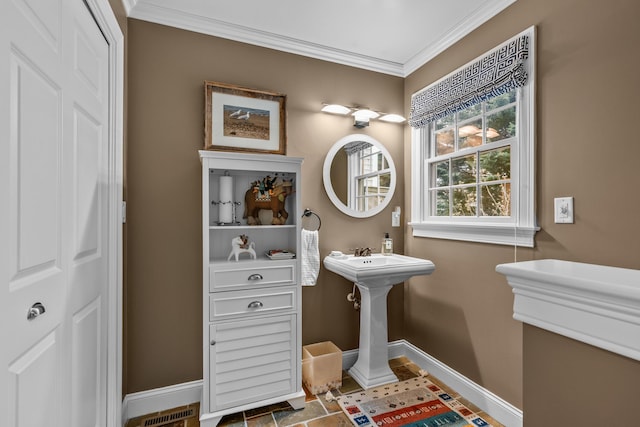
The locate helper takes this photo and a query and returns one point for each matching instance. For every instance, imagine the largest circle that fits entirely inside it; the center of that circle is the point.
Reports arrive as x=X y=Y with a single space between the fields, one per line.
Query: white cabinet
x=251 y=307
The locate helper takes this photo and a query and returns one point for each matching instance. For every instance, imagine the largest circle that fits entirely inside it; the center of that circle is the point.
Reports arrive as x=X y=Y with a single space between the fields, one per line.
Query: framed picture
x=241 y=119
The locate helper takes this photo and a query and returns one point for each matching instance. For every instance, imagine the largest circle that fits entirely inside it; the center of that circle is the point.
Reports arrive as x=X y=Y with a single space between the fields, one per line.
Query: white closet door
x=53 y=245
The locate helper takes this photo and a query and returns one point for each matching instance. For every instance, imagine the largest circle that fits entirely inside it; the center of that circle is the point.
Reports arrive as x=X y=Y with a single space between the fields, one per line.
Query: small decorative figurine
x=241 y=245
x=270 y=194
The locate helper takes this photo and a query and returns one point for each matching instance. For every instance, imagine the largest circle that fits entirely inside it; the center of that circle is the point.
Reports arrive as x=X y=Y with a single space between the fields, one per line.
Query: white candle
x=226 y=199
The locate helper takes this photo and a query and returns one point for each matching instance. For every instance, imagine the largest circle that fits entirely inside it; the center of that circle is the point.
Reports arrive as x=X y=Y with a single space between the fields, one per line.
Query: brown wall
x=462 y=314
x=569 y=383
x=587 y=92
x=166 y=71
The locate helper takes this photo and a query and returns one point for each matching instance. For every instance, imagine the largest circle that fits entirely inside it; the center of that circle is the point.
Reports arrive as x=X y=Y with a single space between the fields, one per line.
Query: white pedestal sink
x=375 y=275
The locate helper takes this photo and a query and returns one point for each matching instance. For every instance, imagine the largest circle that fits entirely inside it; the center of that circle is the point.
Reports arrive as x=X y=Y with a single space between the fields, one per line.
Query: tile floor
x=318 y=412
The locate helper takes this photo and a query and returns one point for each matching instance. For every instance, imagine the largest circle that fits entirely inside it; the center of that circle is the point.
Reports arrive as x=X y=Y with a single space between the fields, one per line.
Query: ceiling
x=389 y=36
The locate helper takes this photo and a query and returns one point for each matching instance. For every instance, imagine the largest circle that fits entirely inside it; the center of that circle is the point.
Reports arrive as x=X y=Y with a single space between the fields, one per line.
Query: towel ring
x=308 y=212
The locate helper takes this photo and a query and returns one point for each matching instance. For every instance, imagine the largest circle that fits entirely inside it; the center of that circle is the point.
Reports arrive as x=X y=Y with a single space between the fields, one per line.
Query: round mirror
x=359 y=176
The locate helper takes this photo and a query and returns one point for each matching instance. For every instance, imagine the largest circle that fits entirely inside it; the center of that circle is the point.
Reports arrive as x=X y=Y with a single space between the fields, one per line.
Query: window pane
x=368 y=164
x=444 y=142
x=495 y=164
x=501 y=125
x=442 y=173
x=372 y=202
x=365 y=165
x=380 y=161
x=496 y=200
x=499 y=101
x=385 y=182
x=470 y=134
x=463 y=170
x=474 y=110
x=361 y=187
x=464 y=201
x=441 y=205
x=371 y=185
x=444 y=122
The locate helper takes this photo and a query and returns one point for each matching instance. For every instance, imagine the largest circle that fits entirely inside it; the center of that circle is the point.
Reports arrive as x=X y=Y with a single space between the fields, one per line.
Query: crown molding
x=463 y=28
x=217 y=28
x=129 y=5
x=187 y=21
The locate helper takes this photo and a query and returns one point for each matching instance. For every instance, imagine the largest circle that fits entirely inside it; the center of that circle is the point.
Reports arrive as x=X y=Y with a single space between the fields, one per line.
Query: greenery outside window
x=473 y=171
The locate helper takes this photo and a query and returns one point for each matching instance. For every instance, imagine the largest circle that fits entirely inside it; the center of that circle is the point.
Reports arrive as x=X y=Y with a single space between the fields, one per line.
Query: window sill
x=497 y=234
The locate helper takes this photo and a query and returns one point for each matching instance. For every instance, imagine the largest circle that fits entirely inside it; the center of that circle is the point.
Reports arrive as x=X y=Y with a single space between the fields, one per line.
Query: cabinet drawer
x=223 y=305
x=226 y=277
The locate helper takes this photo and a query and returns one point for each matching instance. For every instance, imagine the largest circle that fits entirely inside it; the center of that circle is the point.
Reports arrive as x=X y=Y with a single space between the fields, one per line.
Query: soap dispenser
x=387 y=245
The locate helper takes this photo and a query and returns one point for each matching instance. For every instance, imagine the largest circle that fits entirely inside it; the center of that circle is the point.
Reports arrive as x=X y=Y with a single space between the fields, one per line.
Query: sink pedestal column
x=372 y=367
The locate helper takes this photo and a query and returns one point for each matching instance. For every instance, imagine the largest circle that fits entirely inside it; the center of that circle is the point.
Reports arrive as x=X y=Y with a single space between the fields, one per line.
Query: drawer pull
x=255 y=277
x=213 y=342
x=255 y=304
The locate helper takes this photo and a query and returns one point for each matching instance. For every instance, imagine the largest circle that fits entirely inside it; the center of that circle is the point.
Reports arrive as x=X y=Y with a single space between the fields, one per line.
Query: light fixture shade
x=365 y=114
x=394 y=118
x=336 y=109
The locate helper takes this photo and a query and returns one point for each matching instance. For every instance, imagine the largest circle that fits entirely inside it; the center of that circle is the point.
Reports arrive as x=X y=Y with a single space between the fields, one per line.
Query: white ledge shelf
x=595 y=304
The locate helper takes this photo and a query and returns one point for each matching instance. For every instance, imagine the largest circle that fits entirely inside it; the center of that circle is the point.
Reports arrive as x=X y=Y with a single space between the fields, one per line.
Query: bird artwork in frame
x=242 y=119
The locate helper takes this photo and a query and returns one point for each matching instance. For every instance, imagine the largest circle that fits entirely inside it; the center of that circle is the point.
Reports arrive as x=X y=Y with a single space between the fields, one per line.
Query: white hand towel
x=310 y=257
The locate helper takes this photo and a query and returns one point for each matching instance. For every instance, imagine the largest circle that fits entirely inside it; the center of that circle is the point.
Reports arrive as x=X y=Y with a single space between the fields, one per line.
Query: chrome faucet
x=362 y=252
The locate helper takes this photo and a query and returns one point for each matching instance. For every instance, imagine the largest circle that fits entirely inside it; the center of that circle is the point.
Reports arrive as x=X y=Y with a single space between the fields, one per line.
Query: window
x=472 y=167
x=371 y=177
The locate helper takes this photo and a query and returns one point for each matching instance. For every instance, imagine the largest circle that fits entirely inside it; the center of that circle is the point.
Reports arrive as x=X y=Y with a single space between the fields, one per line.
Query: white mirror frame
x=326 y=176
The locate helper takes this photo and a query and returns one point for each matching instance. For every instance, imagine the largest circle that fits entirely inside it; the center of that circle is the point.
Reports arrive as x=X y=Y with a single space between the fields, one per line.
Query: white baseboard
x=146 y=402
x=498 y=408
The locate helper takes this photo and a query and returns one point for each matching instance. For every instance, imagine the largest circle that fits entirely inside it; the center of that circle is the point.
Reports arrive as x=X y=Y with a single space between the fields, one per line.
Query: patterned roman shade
x=493 y=74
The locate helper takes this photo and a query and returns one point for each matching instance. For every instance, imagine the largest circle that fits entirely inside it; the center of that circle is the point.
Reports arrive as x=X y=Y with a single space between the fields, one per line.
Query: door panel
x=87 y=356
x=88 y=194
x=31 y=381
x=35 y=257
x=54 y=170
x=251 y=360
x=35 y=187
x=35 y=271
x=88 y=166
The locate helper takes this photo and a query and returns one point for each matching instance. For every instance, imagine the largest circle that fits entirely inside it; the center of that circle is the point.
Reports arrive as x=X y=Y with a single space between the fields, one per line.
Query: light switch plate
x=395 y=219
x=563 y=210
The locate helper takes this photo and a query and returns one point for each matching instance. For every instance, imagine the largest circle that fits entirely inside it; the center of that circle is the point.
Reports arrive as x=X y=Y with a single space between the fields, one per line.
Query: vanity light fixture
x=335 y=109
x=393 y=118
x=361 y=116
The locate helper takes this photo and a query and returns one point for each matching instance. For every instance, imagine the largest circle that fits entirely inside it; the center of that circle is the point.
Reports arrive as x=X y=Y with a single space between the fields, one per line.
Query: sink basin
x=378 y=270
x=375 y=275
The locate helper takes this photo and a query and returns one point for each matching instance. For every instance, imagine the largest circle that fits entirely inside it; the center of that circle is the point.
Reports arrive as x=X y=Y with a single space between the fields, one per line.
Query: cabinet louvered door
x=252 y=360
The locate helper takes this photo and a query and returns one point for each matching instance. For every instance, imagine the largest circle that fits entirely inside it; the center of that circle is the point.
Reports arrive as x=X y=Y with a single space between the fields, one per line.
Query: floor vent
x=160 y=420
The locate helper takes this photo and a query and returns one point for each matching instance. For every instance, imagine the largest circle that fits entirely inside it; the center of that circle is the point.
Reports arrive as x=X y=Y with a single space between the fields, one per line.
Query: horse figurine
x=241 y=245
x=270 y=195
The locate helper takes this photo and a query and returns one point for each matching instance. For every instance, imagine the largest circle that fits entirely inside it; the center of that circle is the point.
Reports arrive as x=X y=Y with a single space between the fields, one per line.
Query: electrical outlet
x=563 y=210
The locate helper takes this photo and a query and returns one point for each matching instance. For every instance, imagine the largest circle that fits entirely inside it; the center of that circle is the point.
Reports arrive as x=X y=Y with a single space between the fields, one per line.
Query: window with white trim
x=371 y=177
x=473 y=153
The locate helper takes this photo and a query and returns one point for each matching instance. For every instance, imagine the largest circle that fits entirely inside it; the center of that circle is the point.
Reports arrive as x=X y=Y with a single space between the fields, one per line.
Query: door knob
x=36 y=310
